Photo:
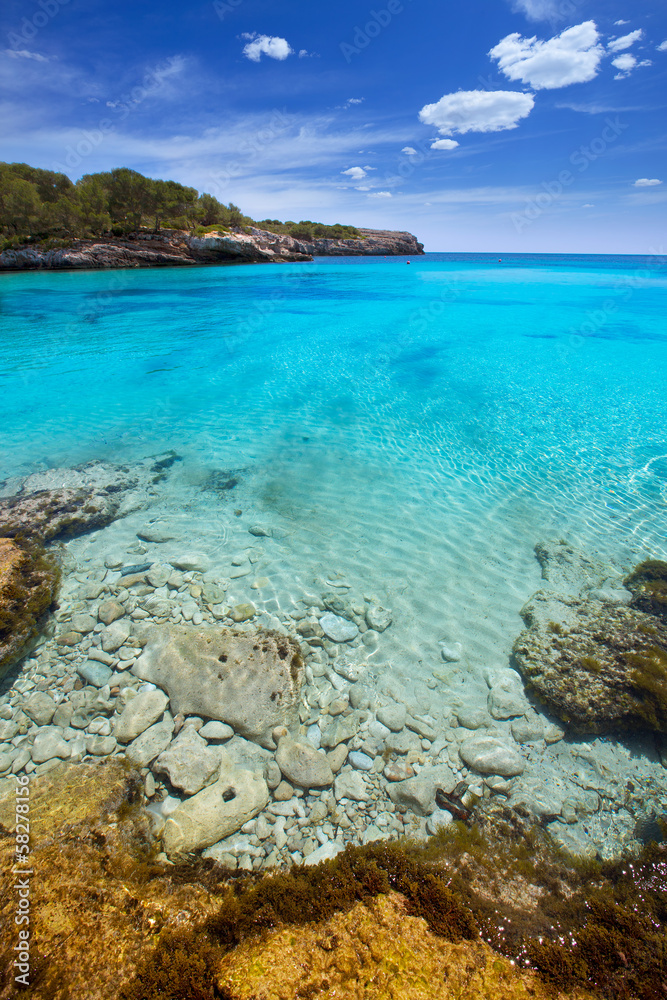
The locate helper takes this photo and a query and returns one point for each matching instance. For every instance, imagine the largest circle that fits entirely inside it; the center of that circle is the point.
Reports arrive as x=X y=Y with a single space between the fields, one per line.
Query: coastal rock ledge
x=174 y=247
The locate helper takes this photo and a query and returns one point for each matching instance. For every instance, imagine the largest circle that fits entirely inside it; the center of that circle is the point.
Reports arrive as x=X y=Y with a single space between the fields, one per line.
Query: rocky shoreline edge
x=180 y=248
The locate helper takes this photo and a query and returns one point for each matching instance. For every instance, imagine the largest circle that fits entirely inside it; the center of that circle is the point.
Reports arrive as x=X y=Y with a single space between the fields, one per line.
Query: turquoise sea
x=406 y=433
x=418 y=427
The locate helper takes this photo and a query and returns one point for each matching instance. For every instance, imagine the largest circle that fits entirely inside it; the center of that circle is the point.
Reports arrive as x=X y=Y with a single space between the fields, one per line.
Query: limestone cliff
x=175 y=247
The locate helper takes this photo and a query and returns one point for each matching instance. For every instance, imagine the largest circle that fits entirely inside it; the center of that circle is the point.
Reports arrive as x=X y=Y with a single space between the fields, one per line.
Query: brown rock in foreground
x=28 y=586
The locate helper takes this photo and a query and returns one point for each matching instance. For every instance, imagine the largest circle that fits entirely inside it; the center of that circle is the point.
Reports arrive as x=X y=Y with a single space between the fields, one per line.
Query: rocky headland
x=180 y=248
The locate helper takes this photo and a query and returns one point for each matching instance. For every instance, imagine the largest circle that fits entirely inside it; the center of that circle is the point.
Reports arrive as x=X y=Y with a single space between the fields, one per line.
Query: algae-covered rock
x=250 y=680
x=599 y=667
x=28 y=585
x=648 y=586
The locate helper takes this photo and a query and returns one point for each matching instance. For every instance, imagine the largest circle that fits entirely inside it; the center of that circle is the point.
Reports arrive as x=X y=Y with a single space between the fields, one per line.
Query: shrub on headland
x=36 y=205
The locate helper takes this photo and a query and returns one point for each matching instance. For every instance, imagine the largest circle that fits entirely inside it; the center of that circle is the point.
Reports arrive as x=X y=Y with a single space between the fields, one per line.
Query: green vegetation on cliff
x=38 y=205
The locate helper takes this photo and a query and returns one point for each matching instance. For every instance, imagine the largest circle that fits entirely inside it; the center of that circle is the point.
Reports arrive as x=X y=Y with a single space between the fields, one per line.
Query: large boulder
x=599 y=666
x=28 y=584
x=250 y=680
x=217 y=811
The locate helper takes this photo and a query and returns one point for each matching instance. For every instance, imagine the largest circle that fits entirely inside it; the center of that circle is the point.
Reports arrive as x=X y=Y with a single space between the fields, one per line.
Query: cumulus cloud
x=647 y=182
x=574 y=56
x=409 y=151
x=625 y=63
x=355 y=173
x=477 y=111
x=621 y=22
x=625 y=41
x=25 y=54
x=662 y=47
x=444 y=144
x=266 y=45
x=380 y=194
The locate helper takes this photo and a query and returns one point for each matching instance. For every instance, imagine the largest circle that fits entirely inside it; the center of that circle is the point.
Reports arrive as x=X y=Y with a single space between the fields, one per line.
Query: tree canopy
x=38 y=204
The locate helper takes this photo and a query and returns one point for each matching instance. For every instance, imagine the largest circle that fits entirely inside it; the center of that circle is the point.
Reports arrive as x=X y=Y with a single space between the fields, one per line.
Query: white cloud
x=588 y=205
x=444 y=144
x=355 y=173
x=538 y=10
x=380 y=194
x=24 y=54
x=355 y=100
x=267 y=45
x=647 y=182
x=572 y=57
x=621 y=22
x=409 y=151
x=625 y=41
x=477 y=111
x=662 y=47
x=626 y=63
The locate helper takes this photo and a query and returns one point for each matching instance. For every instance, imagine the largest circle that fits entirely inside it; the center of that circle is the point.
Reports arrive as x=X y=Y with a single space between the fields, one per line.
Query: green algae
x=648 y=584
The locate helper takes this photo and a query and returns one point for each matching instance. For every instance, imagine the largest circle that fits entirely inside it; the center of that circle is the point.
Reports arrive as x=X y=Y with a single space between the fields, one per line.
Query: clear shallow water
x=415 y=428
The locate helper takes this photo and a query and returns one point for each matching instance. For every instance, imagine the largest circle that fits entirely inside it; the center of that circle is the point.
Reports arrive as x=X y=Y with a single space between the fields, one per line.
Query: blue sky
x=498 y=125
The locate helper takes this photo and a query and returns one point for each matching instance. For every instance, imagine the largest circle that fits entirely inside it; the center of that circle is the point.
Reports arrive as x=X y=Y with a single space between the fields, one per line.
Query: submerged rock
x=28 y=585
x=648 y=586
x=63 y=503
x=217 y=811
x=250 y=680
x=302 y=764
x=491 y=756
x=188 y=762
x=599 y=667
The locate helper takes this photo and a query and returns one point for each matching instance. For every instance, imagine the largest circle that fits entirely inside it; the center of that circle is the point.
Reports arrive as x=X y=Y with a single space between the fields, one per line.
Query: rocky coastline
x=182 y=249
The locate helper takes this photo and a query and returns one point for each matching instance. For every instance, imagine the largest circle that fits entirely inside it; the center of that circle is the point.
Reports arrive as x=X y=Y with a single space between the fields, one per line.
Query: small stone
x=373 y=833
x=259 y=531
x=350 y=785
x=94 y=672
x=49 y=743
x=6 y=761
x=302 y=764
x=337 y=757
x=326 y=852
x=243 y=612
x=392 y=716
x=91 y=591
x=378 y=618
x=340 y=729
x=398 y=771
x=151 y=743
x=189 y=763
x=338 y=629
x=196 y=561
x=157 y=533
x=490 y=756
x=260 y=583
x=506 y=699
x=100 y=746
x=360 y=696
x=472 y=718
x=40 y=707
x=284 y=792
x=438 y=819
x=216 y=731
x=404 y=742
x=360 y=760
x=83 y=623
x=158 y=575
x=451 y=652
x=149 y=786
x=140 y=713
x=69 y=638
x=110 y=611
x=528 y=730
x=113 y=637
